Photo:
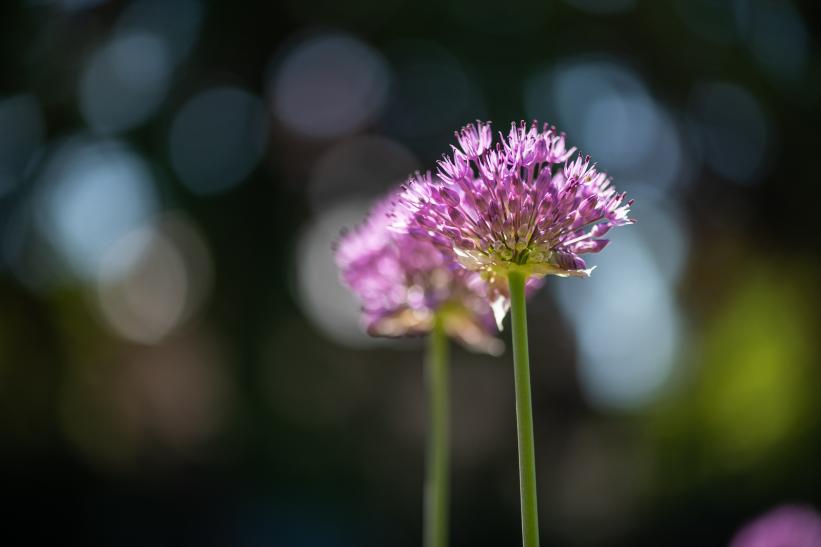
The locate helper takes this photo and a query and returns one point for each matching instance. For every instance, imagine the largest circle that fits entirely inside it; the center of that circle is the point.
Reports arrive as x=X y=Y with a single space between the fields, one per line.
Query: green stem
x=524 y=411
x=436 y=478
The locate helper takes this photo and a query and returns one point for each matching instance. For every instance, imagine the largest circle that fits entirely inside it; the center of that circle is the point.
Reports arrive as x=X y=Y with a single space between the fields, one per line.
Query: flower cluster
x=403 y=283
x=447 y=241
x=519 y=204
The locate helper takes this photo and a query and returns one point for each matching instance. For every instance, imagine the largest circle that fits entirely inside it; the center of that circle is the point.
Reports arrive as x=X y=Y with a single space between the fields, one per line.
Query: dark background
x=179 y=365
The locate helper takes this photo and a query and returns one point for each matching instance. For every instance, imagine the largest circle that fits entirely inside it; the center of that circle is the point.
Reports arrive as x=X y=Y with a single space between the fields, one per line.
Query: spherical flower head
x=521 y=204
x=788 y=526
x=403 y=283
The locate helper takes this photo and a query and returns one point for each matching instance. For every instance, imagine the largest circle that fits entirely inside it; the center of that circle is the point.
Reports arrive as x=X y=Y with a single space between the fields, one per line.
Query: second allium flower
x=404 y=283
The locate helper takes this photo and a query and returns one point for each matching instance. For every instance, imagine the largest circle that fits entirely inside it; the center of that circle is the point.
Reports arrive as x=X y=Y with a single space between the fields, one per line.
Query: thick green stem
x=524 y=411
x=436 y=474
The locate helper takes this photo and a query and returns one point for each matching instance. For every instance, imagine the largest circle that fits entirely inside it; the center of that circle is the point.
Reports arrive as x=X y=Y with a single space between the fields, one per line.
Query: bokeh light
x=667 y=237
x=361 y=167
x=777 y=36
x=177 y=24
x=153 y=279
x=606 y=109
x=328 y=85
x=419 y=109
x=217 y=138
x=751 y=402
x=329 y=305
x=124 y=82
x=764 y=368
x=628 y=323
x=732 y=129
x=90 y=194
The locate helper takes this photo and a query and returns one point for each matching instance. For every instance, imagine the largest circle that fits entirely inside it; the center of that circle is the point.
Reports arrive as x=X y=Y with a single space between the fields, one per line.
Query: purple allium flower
x=402 y=282
x=786 y=526
x=521 y=204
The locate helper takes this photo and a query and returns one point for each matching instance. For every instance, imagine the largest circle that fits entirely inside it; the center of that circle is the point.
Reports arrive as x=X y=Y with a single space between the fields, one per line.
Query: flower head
x=791 y=526
x=404 y=282
x=521 y=204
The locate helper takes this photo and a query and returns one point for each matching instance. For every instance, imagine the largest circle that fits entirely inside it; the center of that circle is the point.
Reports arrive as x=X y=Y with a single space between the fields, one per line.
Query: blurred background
x=180 y=366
